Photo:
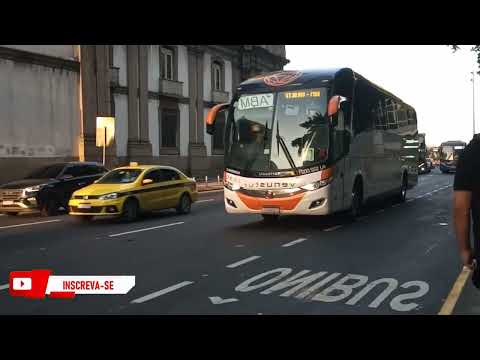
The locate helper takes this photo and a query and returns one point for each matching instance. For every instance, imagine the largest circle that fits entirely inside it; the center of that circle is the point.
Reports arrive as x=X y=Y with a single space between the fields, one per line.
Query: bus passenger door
x=342 y=167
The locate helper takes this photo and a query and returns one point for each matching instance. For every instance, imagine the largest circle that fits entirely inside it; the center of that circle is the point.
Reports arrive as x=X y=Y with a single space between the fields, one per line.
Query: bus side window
x=339 y=133
x=362 y=119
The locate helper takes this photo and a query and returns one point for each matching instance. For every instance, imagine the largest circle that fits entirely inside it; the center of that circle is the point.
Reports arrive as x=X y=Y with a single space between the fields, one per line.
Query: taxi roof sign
x=134 y=164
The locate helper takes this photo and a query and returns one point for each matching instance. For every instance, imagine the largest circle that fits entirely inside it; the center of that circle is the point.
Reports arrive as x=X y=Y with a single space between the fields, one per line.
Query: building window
x=218 y=135
x=169 y=128
x=217 y=76
x=168 y=63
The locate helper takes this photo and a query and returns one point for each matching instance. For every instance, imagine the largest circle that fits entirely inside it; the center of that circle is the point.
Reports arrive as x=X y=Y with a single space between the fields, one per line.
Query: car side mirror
x=147 y=181
x=212 y=116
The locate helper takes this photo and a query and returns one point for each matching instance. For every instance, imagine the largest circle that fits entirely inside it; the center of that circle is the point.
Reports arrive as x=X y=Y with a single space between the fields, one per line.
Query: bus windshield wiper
x=281 y=142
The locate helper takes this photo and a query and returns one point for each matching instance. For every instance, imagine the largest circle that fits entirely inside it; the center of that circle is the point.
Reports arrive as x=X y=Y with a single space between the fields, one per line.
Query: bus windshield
x=450 y=152
x=281 y=131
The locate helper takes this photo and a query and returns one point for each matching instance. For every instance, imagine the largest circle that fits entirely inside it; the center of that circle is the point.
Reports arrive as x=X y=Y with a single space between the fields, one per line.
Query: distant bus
x=315 y=143
x=449 y=152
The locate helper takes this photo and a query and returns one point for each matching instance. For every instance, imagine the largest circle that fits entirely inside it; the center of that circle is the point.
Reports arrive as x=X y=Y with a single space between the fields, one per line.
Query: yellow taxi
x=130 y=190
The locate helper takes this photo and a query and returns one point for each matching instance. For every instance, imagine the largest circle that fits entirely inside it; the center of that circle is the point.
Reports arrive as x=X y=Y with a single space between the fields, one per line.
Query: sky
x=432 y=79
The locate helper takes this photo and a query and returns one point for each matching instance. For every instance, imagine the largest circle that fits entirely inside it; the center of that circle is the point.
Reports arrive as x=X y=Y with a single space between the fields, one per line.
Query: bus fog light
x=231 y=203
x=317 y=203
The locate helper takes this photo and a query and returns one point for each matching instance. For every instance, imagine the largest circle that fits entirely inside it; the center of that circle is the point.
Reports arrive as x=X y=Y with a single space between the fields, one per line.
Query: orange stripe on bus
x=255 y=203
x=326 y=173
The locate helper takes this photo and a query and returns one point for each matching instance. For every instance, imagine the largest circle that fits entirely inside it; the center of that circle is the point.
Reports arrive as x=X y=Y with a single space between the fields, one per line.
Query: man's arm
x=461 y=218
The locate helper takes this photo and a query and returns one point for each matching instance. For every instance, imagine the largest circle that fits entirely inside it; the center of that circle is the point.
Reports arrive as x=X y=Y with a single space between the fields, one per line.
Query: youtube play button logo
x=22 y=283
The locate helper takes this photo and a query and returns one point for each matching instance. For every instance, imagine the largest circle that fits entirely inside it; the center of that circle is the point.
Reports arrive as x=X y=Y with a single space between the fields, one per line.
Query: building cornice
x=27 y=57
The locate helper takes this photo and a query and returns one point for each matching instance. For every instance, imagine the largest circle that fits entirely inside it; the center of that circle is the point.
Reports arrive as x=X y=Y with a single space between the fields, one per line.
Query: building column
x=198 y=162
x=132 y=81
x=143 y=91
x=139 y=148
x=94 y=100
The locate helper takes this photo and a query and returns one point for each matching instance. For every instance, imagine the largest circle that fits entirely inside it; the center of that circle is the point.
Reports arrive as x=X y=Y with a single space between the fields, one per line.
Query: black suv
x=48 y=188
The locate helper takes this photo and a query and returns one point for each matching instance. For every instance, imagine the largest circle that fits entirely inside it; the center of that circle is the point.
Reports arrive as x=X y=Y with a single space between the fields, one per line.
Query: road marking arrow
x=216 y=300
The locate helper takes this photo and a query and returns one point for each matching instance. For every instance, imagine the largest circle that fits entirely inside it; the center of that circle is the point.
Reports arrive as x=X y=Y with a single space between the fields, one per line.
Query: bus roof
x=293 y=79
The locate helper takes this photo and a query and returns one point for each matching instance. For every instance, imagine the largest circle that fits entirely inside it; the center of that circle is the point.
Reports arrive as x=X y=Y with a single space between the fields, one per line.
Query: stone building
x=50 y=96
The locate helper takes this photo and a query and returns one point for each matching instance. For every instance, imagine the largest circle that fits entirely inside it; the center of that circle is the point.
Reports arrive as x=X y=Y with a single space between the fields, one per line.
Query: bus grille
x=273 y=194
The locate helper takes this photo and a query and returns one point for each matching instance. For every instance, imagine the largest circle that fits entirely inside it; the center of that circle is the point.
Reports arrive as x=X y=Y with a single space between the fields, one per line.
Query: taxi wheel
x=184 y=205
x=130 y=210
x=50 y=208
x=12 y=213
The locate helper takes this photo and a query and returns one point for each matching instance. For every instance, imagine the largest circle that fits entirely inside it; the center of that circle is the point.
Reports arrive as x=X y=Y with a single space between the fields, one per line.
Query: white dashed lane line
x=333 y=228
x=202 y=201
x=294 y=242
x=146 y=229
x=3 y=287
x=161 y=292
x=241 y=262
x=29 y=224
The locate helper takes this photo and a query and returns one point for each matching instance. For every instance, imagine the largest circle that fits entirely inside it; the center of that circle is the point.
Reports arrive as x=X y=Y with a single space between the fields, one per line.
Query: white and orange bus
x=314 y=143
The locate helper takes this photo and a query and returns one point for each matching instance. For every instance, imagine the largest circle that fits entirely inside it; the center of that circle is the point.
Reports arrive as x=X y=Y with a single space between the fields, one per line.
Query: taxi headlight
x=110 y=196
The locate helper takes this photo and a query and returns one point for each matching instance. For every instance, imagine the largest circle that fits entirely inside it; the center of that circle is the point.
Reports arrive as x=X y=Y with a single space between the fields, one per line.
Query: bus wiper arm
x=285 y=151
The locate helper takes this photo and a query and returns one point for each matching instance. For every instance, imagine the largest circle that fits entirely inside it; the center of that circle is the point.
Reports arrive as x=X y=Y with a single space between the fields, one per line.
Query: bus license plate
x=84 y=206
x=271 y=210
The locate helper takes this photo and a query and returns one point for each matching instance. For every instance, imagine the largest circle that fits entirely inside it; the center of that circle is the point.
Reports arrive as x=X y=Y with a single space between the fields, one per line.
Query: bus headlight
x=316 y=185
x=233 y=187
x=110 y=196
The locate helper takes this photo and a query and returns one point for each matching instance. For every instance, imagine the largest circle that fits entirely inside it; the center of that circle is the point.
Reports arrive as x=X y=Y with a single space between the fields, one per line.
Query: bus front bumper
x=314 y=202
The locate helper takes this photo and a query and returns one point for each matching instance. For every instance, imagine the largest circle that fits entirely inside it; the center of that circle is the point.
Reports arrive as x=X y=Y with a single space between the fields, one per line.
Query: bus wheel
x=402 y=196
x=357 y=200
x=270 y=219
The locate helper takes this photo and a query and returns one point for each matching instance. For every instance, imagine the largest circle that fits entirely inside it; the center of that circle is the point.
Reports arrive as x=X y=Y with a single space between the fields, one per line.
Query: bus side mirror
x=212 y=116
x=336 y=103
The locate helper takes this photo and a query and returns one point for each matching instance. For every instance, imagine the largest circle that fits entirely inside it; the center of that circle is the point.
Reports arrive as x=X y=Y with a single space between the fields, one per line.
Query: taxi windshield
x=120 y=176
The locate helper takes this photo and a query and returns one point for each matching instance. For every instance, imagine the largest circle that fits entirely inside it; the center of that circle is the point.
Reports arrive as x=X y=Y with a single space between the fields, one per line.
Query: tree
x=475 y=49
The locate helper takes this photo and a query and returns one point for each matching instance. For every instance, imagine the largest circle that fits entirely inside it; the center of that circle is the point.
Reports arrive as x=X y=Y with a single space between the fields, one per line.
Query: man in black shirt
x=467 y=205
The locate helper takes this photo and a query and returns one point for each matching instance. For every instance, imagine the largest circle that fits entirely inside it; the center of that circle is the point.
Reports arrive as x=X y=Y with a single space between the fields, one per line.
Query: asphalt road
x=396 y=259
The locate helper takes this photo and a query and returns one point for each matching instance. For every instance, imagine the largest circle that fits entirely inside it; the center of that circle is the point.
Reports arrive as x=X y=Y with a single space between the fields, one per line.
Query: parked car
x=49 y=188
x=130 y=190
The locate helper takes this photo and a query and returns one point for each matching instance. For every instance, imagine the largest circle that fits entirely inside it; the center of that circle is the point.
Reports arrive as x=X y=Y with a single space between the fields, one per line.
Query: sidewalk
x=209 y=186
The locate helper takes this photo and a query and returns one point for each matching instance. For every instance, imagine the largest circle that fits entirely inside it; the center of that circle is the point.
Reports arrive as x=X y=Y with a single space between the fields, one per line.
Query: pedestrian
x=467 y=206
